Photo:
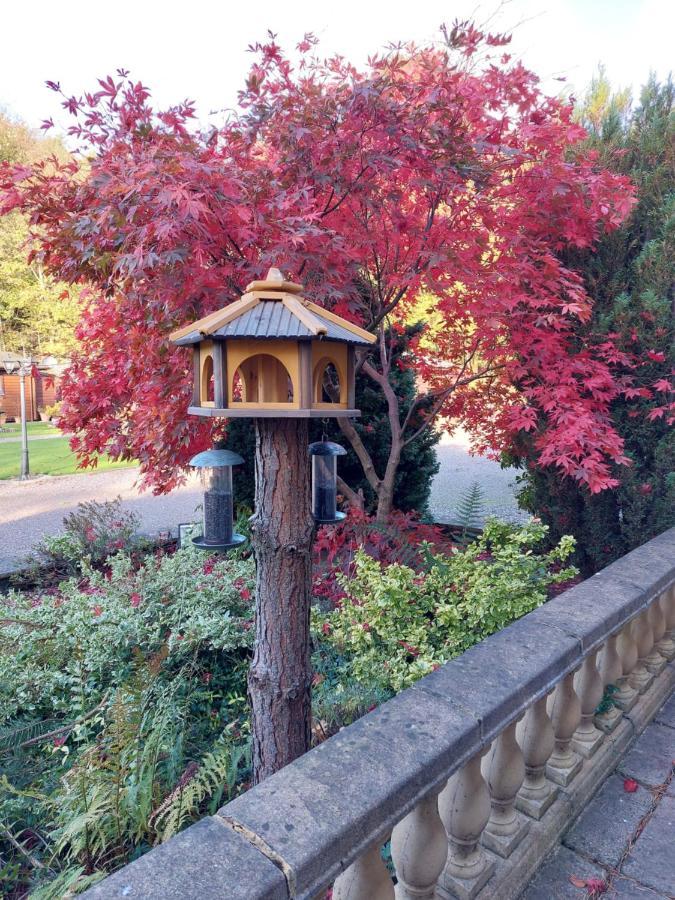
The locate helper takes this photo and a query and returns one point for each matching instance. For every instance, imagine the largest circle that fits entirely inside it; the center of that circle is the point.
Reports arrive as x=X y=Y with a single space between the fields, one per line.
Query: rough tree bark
x=279 y=680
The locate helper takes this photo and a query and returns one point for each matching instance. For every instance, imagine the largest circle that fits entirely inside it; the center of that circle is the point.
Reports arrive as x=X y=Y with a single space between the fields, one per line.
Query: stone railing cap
x=206 y=861
x=355 y=785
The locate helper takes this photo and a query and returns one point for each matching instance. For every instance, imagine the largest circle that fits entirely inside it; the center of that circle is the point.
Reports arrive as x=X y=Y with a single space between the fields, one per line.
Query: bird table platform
x=273 y=353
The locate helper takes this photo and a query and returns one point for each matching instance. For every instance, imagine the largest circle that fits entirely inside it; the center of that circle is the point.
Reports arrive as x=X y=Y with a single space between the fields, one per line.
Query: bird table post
x=278 y=358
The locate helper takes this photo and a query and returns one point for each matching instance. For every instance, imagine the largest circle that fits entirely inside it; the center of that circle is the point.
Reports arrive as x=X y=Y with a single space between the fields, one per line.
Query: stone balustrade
x=472 y=774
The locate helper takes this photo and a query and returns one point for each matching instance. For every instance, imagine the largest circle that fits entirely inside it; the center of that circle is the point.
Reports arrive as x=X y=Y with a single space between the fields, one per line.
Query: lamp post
x=25 y=367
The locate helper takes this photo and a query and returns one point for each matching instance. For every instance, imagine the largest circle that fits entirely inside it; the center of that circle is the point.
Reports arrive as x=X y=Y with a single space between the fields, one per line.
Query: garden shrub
x=630 y=276
x=393 y=626
x=402 y=538
x=122 y=708
x=92 y=533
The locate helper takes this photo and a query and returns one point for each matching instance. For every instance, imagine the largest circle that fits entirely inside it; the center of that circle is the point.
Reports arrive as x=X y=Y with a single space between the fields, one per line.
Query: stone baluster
x=535 y=736
x=565 y=712
x=464 y=807
x=366 y=879
x=419 y=849
x=654 y=662
x=666 y=645
x=611 y=669
x=504 y=771
x=641 y=678
x=589 y=687
x=626 y=695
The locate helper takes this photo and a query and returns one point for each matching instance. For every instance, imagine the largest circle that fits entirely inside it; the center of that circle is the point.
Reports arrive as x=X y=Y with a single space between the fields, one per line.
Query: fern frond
x=217 y=773
x=68 y=883
x=12 y=737
x=470 y=509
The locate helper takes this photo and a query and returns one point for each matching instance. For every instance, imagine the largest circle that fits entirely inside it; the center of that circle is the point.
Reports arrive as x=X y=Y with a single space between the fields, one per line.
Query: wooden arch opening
x=327 y=386
x=207 y=386
x=262 y=378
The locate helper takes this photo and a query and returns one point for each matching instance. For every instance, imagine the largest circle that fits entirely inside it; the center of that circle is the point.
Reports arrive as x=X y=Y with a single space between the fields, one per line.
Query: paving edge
x=512 y=875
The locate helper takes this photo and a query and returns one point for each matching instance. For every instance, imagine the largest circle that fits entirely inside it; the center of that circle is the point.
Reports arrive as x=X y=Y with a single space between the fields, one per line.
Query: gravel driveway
x=459 y=470
x=31 y=509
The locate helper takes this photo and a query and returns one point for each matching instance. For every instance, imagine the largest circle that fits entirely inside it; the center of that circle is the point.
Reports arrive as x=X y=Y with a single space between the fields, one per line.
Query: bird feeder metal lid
x=215 y=458
x=326 y=448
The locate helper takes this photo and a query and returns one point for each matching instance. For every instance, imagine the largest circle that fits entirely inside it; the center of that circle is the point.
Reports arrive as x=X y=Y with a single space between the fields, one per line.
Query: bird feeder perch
x=275 y=354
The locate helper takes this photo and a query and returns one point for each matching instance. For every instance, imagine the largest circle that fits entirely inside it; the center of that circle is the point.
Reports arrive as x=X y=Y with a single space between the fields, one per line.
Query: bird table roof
x=272 y=309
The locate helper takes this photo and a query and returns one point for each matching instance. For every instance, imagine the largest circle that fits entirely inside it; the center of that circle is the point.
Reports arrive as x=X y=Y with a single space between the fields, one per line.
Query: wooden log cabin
x=42 y=387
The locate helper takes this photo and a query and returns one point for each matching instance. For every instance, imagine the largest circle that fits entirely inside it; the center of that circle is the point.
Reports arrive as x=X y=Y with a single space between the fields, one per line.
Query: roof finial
x=274 y=274
x=274 y=281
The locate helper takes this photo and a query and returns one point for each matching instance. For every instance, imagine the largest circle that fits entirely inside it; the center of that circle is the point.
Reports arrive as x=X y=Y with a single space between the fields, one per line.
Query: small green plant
x=470 y=508
x=607 y=701
x=92 y=533
x=52 y=411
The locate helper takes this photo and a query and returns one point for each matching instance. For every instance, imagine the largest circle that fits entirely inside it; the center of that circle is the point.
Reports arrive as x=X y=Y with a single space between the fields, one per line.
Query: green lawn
x=53 y=457
x=13 y=429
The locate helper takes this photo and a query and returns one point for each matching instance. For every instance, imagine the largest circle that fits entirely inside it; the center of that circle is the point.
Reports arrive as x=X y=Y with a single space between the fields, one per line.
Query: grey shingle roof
x=271 y=319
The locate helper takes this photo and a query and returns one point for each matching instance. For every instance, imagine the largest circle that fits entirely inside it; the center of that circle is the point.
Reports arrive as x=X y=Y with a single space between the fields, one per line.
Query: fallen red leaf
x=596 y=886
x=630 y=785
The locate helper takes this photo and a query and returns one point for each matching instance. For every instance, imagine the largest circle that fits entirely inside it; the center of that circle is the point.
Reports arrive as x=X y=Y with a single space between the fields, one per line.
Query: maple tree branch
x=442 y=397
x=328 y=210
x=420 y=399
x=236 y=246
x=355 y=498
x=391 y=305
x=354 y=439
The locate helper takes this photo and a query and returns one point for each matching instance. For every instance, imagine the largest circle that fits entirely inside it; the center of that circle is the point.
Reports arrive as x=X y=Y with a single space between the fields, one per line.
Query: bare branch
x=354 y=439
x=355 y=498
x=443 y=396
x=29 y=856
x=64 y=729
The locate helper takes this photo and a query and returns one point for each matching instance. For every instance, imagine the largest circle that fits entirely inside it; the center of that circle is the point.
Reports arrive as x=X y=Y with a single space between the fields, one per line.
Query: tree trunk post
x=279 y=680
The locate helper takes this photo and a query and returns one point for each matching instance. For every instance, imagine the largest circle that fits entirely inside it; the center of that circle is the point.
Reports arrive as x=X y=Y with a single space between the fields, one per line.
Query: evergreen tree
x=631 y=278
x=418 y=461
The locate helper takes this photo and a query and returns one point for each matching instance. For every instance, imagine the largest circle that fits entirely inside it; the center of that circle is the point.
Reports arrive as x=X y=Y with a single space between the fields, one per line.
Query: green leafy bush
x=53 y=410
x=122 y=709
x=394 y=626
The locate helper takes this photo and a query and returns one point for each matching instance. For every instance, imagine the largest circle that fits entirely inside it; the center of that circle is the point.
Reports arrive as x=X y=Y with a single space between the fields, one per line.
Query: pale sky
x=198 y=48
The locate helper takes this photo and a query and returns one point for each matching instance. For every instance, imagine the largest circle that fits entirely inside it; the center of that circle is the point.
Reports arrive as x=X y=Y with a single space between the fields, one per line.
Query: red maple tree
x=439 y=172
